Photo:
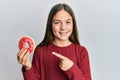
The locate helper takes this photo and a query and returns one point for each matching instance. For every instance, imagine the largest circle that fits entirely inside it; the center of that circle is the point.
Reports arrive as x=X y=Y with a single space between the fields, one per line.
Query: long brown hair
x=48 y=38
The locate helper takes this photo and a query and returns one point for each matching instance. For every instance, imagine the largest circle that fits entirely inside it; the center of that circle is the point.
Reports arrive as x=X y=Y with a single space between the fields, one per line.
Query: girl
x=59 y=56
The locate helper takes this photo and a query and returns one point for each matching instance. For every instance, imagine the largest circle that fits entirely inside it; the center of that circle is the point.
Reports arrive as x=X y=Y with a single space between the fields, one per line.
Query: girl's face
x=62 y=25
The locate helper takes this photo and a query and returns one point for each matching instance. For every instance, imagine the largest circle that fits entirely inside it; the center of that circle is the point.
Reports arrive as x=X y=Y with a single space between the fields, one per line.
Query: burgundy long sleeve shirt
x=45 y=66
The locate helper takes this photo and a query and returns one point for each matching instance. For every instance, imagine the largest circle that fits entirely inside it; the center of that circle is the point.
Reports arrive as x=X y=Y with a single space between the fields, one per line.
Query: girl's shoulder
x=39 y=49
x=81 y=51
x=80 y=47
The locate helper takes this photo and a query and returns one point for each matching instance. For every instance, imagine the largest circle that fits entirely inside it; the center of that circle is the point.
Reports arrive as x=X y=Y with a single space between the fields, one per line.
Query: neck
x=62 y=43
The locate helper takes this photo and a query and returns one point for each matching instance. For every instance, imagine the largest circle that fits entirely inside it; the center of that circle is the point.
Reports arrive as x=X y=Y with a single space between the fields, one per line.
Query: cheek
x=54 y=30
x=70 y=28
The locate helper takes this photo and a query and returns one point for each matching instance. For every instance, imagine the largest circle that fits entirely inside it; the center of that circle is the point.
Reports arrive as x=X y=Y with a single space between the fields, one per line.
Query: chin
x=63 y=39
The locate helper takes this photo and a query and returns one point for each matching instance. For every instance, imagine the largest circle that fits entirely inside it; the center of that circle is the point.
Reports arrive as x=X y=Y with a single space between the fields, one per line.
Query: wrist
x=26 y=68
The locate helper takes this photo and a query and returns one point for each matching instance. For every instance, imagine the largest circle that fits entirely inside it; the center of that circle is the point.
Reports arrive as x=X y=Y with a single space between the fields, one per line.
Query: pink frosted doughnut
x=27 y=42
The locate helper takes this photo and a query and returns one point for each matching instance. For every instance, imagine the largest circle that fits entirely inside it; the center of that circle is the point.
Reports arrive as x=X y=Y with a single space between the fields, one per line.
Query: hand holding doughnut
x=27 y=42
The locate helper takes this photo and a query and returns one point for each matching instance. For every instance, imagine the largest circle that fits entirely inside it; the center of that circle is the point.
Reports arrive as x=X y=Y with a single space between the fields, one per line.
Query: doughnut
x=27 y=42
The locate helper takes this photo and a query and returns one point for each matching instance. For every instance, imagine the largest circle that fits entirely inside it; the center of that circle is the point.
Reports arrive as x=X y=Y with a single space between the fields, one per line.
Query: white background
x=98 y=23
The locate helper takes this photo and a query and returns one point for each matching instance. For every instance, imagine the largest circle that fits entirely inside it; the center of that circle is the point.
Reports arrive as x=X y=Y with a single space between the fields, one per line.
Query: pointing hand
x=65 y=63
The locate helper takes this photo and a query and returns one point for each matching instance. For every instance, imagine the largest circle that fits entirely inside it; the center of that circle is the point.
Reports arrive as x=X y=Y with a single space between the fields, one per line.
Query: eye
x=56 y=22
x=68 y=22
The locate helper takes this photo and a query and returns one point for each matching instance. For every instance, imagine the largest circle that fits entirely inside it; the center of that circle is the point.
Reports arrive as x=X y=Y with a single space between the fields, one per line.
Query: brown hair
x=48 y=38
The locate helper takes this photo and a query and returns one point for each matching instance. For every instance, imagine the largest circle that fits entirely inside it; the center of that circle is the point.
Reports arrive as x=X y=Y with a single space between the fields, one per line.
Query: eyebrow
x=60 y=20
x=68 y=20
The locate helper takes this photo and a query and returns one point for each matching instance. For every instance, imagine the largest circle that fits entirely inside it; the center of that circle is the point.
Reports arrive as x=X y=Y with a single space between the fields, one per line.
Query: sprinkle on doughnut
x=27 y=42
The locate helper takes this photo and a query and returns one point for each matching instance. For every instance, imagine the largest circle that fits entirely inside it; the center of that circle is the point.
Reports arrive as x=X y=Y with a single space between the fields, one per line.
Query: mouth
x=63 y=33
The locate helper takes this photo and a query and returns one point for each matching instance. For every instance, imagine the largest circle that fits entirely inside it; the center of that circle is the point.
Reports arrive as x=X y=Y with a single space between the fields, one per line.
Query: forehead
x=62 y=15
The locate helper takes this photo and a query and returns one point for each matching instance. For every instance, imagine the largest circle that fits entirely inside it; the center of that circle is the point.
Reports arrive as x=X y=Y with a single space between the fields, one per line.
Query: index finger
x=58 y=55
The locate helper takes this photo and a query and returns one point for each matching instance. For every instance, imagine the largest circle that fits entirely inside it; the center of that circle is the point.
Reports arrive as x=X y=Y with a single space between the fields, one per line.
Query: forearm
x=30 y=74
x=74 y=73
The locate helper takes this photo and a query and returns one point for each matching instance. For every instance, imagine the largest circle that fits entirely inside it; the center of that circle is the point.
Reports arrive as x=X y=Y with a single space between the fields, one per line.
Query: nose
x=63 y=27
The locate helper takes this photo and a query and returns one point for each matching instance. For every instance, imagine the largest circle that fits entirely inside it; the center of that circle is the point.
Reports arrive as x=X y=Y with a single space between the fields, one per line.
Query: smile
x=63 y=33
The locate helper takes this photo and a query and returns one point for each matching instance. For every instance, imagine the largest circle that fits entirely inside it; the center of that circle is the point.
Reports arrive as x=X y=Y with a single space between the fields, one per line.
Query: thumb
x=58 y=55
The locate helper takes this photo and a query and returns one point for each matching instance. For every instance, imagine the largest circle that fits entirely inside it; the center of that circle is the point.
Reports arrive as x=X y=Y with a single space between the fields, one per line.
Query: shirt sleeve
x=80 y=71
x=34 y=72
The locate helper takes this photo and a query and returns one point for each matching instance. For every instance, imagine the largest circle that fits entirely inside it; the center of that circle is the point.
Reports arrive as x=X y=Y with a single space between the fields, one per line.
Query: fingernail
x=52 y=52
